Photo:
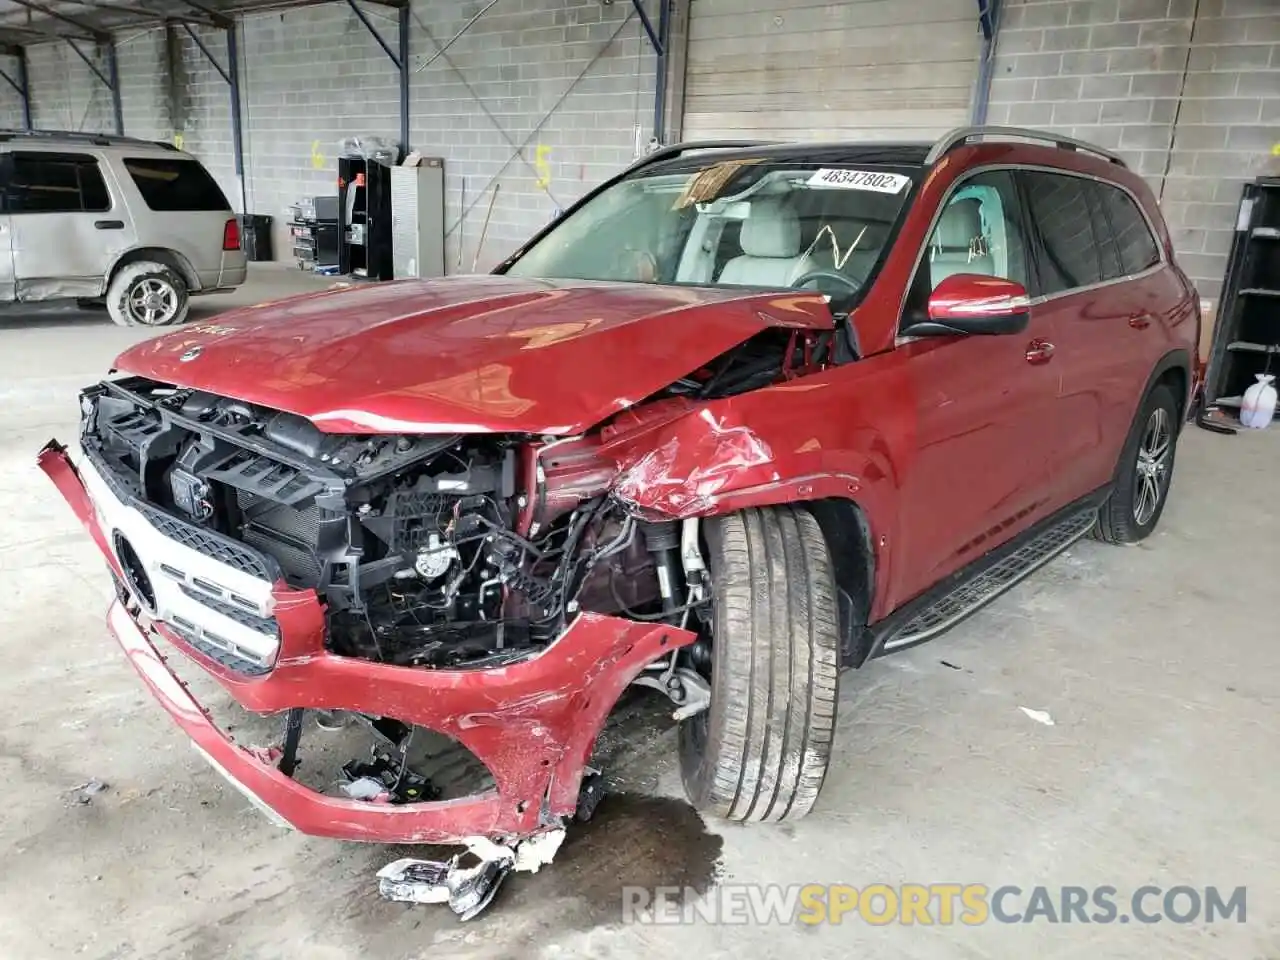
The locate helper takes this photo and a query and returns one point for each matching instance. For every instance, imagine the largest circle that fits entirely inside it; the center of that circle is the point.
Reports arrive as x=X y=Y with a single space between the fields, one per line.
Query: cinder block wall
x=1192 y=100
x=539 y=97
x=74 y=98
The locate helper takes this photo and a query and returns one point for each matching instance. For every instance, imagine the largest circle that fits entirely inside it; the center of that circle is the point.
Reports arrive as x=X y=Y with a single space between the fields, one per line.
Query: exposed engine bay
x=410 y=541
x=430 y=550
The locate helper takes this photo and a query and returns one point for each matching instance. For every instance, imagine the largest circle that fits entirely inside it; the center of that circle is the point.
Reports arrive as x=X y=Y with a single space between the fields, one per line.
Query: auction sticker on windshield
x=859 y=180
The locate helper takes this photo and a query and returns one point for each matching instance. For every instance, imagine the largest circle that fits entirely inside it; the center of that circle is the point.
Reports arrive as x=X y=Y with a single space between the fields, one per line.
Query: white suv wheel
x=147 y=294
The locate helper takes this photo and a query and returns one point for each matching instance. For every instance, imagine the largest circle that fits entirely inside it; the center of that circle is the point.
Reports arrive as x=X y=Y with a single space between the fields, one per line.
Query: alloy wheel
x=152 y=301
x=1152 y=474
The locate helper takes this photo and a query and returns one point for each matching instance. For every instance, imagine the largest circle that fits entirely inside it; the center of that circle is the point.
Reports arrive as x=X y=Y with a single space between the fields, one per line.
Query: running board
x=989 y=577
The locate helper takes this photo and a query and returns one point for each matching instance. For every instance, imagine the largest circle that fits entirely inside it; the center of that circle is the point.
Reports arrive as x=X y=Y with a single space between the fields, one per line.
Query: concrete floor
x=1158 y=665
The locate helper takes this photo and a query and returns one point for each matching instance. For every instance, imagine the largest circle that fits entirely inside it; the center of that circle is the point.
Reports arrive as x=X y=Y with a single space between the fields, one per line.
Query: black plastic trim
x=882 y=630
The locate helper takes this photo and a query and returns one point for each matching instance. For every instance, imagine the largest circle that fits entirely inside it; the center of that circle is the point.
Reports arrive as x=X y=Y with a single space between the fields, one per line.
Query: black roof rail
x=962 y=135
x=80 y=136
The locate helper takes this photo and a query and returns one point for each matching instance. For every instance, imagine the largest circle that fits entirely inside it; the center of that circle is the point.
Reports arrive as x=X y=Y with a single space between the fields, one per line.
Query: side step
x=989 y=577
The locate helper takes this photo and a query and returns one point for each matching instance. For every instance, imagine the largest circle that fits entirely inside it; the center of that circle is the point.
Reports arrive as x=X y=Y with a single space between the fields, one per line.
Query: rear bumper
x=533 y=723
x=232 y=272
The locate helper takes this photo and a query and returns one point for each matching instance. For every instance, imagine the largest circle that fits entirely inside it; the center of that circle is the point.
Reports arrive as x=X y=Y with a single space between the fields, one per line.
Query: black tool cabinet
x=364 y=218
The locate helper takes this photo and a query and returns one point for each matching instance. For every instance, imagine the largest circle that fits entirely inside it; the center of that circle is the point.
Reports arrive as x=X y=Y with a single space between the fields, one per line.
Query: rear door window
x=1068 y=248
x=1108 y=253
x=1138 y=248
x=176 y=184
x=46 y=182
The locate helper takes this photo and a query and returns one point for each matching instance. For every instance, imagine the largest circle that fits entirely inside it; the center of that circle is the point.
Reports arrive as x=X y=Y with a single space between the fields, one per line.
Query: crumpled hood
x=467 y=354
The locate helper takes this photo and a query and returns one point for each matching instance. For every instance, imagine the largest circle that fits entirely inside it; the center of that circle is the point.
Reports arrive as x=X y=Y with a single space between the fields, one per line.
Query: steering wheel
x=853 y=285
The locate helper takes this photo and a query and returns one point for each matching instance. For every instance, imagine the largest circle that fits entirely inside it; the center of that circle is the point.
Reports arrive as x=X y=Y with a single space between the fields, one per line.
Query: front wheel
x=147 y=294
x=1144 y=473
x=760 y=751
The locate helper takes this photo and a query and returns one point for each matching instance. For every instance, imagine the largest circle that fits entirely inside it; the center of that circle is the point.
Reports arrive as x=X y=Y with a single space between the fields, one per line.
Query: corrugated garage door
x=800 y=70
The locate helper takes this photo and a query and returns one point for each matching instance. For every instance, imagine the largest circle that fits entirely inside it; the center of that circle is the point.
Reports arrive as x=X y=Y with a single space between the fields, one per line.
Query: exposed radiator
x=282 y=532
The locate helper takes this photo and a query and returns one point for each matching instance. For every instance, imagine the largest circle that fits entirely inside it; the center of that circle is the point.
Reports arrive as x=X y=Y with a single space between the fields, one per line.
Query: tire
x=1139 y=493
x=760 y=751
x=147 y=294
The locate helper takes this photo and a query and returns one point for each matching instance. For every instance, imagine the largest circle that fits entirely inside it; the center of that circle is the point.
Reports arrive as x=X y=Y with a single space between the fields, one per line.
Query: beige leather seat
x=958 y=244
x=770 y=241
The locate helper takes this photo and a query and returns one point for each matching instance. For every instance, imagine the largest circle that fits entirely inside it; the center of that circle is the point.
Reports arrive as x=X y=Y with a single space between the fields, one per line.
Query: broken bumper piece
x=533 y=723
x=466 y=889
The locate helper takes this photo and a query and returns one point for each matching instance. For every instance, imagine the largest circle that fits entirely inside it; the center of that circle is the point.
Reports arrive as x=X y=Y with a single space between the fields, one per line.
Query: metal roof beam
x=648 y=26
x=94 y=32
x=368 y=25
x=216 y=17
x=146 y=13
x=88 y=62
x=12 y=82
x=22 y=83
x=25 y=33
x=226 y=76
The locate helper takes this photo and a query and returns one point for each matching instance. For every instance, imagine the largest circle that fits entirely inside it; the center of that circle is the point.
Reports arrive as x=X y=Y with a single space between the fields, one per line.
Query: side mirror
x=969 y=303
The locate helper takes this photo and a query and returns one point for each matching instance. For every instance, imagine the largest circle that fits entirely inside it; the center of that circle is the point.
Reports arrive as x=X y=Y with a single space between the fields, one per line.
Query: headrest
x=771 y=229
x=959 y=224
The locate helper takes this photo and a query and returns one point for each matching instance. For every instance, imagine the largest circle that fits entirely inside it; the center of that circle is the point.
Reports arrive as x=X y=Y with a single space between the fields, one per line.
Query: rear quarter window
x=1069 y=250
x=1138 y=248
x=172 y=185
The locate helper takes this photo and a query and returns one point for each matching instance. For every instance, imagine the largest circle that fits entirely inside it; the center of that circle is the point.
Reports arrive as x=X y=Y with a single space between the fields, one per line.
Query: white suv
x=138 y=225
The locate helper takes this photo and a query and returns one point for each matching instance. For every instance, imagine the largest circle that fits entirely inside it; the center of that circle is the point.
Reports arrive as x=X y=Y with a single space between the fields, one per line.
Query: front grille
x=232 y=612
x=123 y=483
x=211 y=544
x=217 y=648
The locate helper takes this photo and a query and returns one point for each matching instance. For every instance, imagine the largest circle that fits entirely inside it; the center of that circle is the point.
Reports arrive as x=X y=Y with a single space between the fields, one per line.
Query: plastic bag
x=378 y=149
x=1259 y=404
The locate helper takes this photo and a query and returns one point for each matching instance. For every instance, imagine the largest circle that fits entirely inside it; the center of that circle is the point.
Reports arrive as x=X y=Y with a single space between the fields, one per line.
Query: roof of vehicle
x=899 y=153
x=907 y=153
x=64 y=139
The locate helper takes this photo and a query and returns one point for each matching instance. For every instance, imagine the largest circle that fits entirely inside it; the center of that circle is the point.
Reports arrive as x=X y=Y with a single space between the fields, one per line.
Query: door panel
x=985 y=425
x=986 y=407
x=1096 y=374
x=66 y=229
x=1100 y=321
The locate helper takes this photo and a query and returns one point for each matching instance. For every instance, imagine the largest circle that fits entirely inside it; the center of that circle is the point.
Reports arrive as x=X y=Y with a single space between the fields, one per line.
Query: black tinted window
x=175 y=184
x=1108 y=254
x=1138 y=248
x=55 y=183
x=1060 y=209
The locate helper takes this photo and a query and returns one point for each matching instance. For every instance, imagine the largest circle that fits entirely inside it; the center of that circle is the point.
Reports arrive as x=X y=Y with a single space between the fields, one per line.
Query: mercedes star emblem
x=190 y=355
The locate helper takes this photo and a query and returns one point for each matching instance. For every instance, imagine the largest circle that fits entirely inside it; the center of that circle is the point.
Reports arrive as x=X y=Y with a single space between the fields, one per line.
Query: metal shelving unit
x=1246 y=339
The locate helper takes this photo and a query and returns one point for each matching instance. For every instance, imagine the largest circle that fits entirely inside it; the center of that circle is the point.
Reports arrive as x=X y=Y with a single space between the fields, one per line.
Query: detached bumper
x=533 y=724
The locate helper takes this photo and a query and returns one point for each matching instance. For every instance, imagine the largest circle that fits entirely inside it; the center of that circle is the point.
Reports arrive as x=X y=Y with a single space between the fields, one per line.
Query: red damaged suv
x=746 y=415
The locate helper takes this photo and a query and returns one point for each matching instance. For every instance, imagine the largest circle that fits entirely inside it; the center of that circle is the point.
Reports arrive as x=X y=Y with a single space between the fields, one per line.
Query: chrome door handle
x=1140 y=321
x=1039 y=351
